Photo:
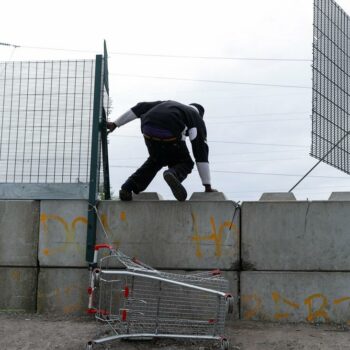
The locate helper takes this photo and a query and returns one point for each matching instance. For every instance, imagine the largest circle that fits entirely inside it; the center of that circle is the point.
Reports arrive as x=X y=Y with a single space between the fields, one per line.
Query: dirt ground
x=37 y=332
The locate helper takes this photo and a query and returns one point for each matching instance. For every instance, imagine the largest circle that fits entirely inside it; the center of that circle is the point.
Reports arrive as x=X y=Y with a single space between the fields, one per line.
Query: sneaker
x=178 y=190
x=125 y=195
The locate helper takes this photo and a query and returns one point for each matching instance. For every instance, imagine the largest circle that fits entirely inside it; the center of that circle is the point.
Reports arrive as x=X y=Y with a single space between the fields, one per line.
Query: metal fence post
x=94 y=164
x=105 y=162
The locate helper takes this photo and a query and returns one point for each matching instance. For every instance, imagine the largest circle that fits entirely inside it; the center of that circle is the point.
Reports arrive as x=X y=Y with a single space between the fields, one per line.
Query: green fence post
x=94 y=163
x=105 y=162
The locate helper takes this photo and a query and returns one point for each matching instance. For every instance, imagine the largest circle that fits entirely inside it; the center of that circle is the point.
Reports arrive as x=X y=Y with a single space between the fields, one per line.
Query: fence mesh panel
x=46 y=113
x=331 y=69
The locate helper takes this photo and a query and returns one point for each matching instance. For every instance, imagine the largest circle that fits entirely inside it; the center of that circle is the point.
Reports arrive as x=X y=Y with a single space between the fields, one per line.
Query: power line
x=57 y=49
x=254 y=121
x=249 y=173
x=159 y=55
x=237 y=142
x=213 y=57
x=263 y=152
x=277 y=174
x=10 y=45
x=256 y=115
x=180 y=56
x=283 y=190
x=218 y=162
x=210 y=81
x=260 y=144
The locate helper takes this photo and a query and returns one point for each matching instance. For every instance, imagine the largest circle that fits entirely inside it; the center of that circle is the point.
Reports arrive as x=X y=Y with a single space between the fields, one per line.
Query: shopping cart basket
x=141 y=302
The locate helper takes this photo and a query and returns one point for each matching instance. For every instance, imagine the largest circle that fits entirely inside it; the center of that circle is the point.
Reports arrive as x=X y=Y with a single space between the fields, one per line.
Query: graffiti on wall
x=69 y=229
x=219 y=233
x=316 y=307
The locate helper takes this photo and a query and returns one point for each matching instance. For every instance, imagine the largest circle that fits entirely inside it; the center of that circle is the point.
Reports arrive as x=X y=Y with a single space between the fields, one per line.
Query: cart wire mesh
x=135 y=300
x=331 y=69
x=135 y=303
x=45 y=121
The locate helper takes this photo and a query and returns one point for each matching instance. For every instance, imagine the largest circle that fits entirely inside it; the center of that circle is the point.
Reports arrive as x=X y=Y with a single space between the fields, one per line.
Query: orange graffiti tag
x=69 y=230
x=107 y=229
x=215 y=236
x=122 y=216
x=276 y=297
x=321 y=312
x=247 y=299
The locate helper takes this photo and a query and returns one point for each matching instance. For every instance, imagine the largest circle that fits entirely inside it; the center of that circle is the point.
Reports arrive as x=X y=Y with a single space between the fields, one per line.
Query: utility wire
x=7 y=44
x=238 y=142
x=282 y=190
x=159 y=55
x=249 y=173
x=180 y=56
x=255 y=115
x=260 y=144
x=210 y=81
x=213 y=57
x=253 y=121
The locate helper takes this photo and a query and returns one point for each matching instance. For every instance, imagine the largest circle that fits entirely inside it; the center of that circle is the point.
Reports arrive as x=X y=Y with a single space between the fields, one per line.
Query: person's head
x=199 y=108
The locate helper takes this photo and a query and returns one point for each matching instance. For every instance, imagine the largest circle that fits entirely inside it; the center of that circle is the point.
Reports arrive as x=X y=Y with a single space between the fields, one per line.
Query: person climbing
x=165 y=125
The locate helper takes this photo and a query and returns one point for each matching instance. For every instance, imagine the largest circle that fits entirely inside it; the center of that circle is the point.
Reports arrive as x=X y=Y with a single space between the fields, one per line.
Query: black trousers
x=175 y=155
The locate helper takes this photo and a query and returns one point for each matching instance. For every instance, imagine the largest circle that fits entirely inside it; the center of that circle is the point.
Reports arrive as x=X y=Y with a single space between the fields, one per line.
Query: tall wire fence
x=45 y=121
x=331 y=91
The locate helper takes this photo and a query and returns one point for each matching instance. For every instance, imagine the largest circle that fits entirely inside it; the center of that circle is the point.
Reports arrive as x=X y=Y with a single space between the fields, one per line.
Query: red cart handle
x=100 y=246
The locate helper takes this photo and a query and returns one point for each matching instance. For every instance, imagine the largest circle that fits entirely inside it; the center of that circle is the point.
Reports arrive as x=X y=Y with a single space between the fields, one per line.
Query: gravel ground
x=38 y=332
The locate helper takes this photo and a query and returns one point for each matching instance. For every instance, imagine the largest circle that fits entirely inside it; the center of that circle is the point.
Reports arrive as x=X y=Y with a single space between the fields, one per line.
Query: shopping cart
x=137 y=301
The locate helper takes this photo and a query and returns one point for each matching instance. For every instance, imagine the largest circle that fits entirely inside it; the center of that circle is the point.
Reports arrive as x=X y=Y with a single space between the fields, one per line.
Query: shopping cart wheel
x=225 y=344
x=89 y=345
x=230 y=304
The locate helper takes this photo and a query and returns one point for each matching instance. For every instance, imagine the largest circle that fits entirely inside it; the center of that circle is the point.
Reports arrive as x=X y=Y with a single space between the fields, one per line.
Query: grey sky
x=246 y=114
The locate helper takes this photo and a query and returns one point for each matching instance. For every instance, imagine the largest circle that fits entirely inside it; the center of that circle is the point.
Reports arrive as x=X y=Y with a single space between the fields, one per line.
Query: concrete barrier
x=173 y=235
x=18 y=286
x=208 y=196
x=297 y=236
x=63 y=291
x=19 y=227
x=315 y=297
x=277 y=196
x=62 y=238
x=164 y=234
x=339 y=196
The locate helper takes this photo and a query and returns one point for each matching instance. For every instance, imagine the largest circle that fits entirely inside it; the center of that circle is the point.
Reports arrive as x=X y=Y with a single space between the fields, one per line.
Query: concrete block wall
x=286 y=260
x=19 y=226
x=166 y=235
x=295 y=261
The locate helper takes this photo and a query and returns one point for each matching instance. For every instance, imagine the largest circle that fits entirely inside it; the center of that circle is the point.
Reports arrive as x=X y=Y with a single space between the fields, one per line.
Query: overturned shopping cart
x=141 y=302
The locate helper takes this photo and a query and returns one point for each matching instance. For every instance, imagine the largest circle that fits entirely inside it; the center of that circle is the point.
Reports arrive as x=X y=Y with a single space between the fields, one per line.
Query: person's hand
x=209 y=189
x=111 y=126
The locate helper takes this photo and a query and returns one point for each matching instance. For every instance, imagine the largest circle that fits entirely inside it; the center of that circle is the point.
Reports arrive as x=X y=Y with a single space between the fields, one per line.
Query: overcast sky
x=259 y=136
